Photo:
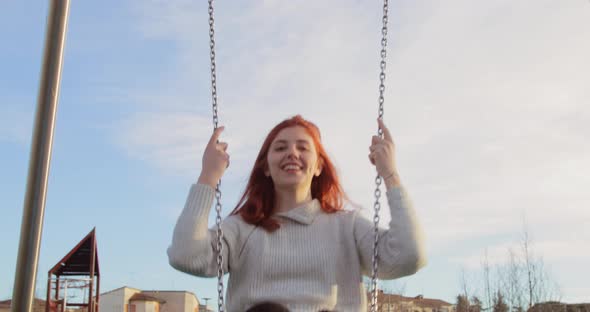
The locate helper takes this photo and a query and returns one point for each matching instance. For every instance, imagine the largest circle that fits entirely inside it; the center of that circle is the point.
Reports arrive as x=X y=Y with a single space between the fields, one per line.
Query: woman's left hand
x=382 y=154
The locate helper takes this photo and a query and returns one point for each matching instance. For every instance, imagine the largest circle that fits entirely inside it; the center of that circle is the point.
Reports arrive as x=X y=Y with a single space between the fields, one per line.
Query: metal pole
x=48 y=299
x=93 y=264
x=42 y=140
x=97 y=305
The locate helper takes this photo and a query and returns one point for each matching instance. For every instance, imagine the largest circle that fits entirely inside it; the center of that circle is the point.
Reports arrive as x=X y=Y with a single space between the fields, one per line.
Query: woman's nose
x=293 y=152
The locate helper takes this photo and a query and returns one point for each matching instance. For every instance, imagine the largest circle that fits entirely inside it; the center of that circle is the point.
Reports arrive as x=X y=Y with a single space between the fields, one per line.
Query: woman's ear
x=266 y=170
x=320 y=167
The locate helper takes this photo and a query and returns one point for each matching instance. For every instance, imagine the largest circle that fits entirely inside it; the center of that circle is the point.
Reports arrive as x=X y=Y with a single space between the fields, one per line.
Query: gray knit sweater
x=314 y=261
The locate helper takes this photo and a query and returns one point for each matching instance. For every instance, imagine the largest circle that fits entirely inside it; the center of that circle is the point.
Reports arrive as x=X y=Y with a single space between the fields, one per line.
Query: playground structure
x=74 y=281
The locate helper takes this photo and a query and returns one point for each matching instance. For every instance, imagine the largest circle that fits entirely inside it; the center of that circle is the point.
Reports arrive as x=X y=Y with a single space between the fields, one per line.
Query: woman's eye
x=279 y=148
x=303 y=148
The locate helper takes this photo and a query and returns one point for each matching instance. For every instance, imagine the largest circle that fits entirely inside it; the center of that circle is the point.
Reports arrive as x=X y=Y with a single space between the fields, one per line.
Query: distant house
x=38 y=305
x=397 y=303
x=127 y=299
x=204 y=308
x=554 y=306
x=4 y=306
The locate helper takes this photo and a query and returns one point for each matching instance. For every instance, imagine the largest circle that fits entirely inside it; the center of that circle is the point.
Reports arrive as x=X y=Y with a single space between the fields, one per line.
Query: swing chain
x=219 y=246
x=378 y=180
x=213 y=65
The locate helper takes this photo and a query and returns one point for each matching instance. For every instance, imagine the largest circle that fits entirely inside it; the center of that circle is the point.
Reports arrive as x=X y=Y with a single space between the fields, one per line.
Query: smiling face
x=293 y=159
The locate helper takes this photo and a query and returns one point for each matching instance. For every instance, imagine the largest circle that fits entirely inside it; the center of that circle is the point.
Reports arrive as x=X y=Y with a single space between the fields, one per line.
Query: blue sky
x=487 y=102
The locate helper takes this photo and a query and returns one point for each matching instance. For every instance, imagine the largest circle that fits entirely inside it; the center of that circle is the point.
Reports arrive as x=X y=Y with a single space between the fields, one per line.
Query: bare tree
x=531 y=282
x=547 y=287
x=462 y=304
x=512 y=281
x=539 y=286
x=488 y=300
x=523 y=280
x=499 y=303
x=476 y=304
x=463 y=283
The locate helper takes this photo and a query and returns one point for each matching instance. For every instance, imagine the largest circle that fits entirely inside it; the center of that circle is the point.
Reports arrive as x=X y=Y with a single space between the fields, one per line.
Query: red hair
x=257 y=204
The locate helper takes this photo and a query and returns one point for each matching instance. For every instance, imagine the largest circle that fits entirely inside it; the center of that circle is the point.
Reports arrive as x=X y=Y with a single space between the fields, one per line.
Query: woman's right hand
x=215 y=160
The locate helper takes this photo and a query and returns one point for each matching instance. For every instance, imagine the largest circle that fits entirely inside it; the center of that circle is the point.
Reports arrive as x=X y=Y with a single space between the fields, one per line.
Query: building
x=554 y=306
x=398 y=303
x=38 y=305
x=204 y=308
x=127 y=299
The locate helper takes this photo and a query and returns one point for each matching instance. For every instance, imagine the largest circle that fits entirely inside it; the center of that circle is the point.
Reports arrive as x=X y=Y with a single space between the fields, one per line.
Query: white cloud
x=487 y=102
x=164 y=139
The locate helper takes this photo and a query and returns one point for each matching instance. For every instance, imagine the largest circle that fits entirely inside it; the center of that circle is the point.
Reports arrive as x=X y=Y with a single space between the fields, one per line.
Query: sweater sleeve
x=193 y=248
x=401 y=247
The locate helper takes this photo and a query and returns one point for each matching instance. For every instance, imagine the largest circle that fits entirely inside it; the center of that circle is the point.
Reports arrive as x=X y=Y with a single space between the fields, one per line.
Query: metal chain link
x=377 y=205
x=219 y=245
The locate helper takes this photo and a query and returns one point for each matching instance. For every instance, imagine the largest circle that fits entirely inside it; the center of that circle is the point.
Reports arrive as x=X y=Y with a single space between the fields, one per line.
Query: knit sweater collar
x=304 y=214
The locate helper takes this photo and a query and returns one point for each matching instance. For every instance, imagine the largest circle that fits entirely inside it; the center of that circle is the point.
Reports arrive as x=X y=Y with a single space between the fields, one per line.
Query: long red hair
x=257 y=204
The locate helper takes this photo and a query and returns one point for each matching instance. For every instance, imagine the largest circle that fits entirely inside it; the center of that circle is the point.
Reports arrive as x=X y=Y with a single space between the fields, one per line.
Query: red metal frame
x=81 y=261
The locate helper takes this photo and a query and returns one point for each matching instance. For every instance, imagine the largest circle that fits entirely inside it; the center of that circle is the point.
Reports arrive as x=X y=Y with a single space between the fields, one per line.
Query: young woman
x=288 y=240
